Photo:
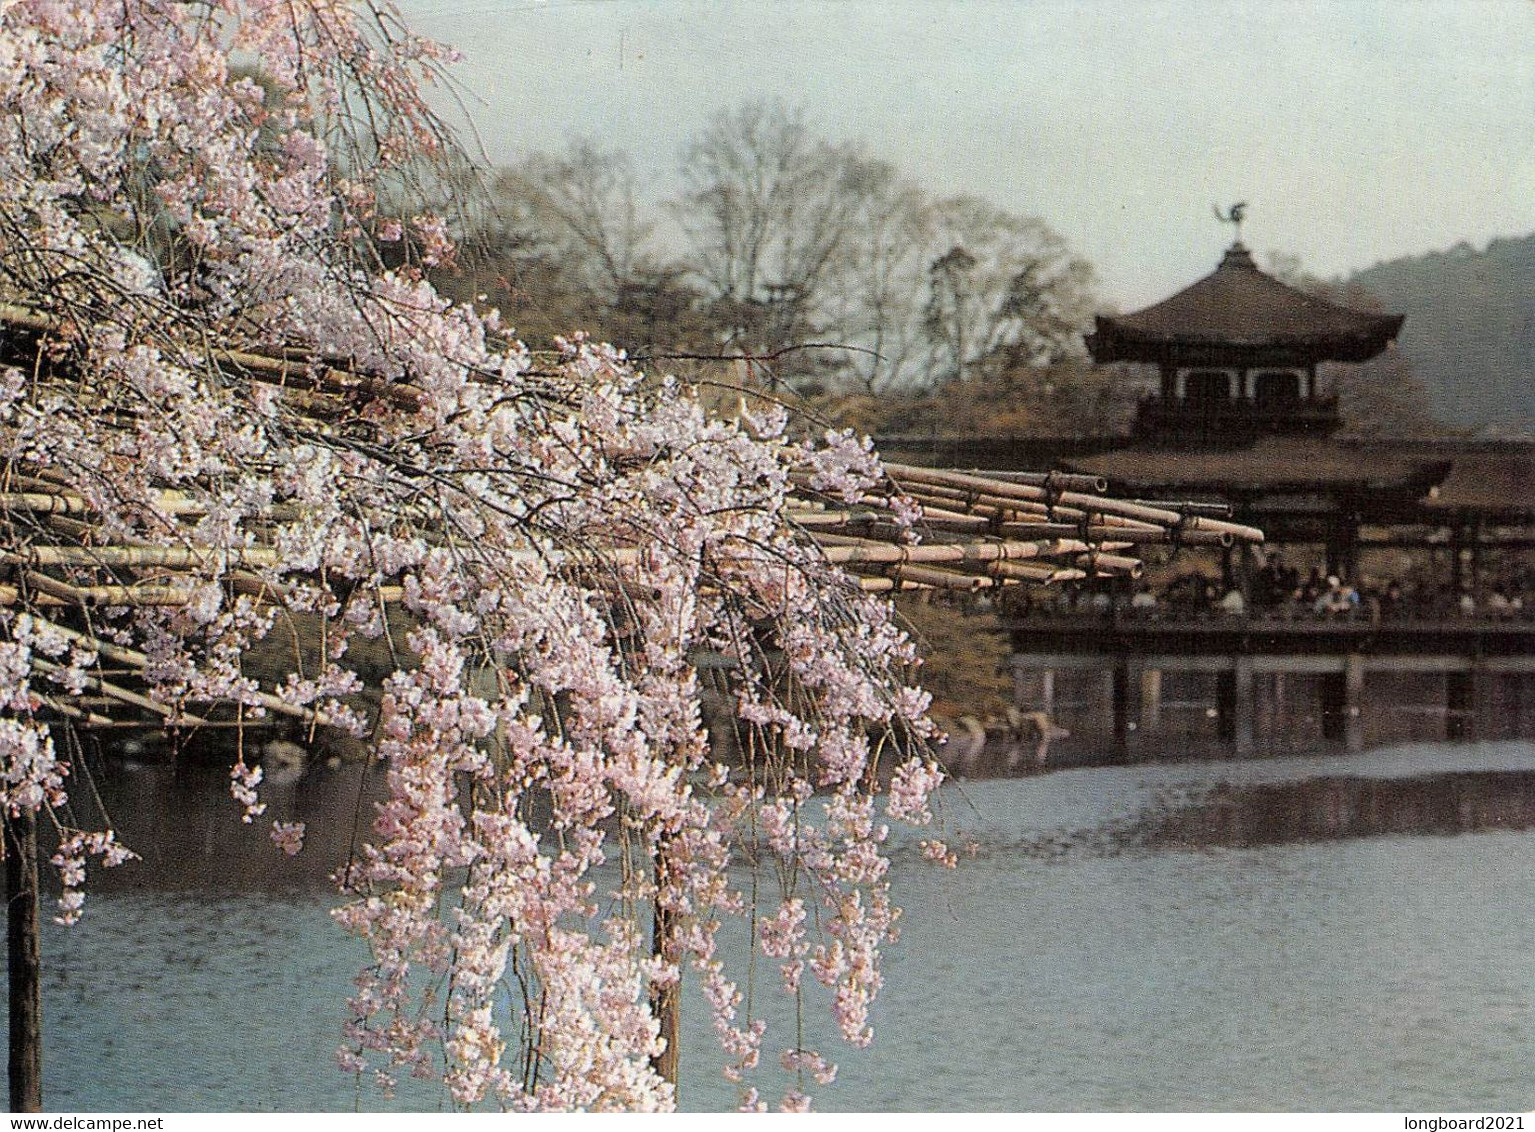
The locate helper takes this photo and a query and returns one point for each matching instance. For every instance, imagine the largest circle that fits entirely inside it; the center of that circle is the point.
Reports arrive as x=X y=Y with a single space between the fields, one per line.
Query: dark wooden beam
x=23 y=953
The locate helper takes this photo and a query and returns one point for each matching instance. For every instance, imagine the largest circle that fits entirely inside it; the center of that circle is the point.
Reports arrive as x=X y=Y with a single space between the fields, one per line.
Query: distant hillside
x=1470 y=332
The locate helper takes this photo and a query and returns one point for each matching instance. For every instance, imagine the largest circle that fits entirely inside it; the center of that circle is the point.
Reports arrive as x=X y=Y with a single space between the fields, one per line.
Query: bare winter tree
x=792 y=240
x=950 y=317
x=586 y=202
x=1001 y=289
x=768 y=208
x=876 y=302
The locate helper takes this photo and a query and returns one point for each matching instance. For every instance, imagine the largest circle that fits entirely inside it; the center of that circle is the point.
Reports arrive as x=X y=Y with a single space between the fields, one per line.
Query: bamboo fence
x=974 y=531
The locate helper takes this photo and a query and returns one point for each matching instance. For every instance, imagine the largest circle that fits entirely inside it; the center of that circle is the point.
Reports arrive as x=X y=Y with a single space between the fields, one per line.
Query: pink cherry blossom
x=546 y=554
x=288 y=836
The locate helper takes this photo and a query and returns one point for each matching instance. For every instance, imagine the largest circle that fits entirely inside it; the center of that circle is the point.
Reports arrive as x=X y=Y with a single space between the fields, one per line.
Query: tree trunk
x=665 y=999
x=26 y=1063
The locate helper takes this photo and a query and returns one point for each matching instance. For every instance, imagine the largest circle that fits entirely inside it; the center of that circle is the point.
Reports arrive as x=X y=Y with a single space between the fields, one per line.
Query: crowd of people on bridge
x=1279 y=590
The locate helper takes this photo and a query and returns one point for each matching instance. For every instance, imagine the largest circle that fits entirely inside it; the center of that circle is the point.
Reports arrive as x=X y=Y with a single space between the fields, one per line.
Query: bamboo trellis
x=973 y=531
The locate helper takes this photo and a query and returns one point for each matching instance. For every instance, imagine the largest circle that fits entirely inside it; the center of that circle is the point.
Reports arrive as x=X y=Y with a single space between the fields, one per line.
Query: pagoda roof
x=1240 y=316
x=1496 y=484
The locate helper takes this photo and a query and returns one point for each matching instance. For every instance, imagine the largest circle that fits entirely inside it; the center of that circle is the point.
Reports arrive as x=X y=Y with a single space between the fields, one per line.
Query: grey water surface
x=1321 y=933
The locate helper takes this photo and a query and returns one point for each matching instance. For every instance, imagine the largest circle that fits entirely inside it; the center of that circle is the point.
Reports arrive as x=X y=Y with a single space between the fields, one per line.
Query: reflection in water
x=184 y=824
x=1314 y=954
x=1330 y=807
x=1274 y=813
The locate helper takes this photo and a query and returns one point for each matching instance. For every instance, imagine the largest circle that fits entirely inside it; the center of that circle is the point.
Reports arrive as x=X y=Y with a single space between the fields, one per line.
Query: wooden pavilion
x=1238 y=417
x=1238 y=353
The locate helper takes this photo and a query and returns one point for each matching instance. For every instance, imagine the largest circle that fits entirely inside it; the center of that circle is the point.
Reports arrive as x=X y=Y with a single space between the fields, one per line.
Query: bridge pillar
x=1462 y=703
x=1332 y=704
x=1353 y=702
x=1342 y=547
x=1225 y=707
x=1278 y=705
x=1119 y=699
x=1242 y=707
x=1151 y=701
x=1234 y=706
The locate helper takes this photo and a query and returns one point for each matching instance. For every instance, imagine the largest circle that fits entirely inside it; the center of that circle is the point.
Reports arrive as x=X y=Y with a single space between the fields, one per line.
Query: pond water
x=1302 y=934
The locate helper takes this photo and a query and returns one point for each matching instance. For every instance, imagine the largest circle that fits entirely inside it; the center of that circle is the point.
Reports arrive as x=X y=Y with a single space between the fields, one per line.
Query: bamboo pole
x=301 y=375
x=155 y=725
x=996 y=506
x=1191 y=507
x=941 y=579
x=173 y=557
x=11 y=595
x=1063 y=481
x=254 y=586
x=816 y=520
x=1110 y=564
x=1038 y=530
x=42 y=501
x=1106 y=506
x=1120 y=522
x=79 y=714
x=881 y=552
x=20 y=480
x=957 y=524
x=1220 y=526
x=1076 y=499
x=142 y=594
x=932 y=514
x=933 y=495
x=297 y=374
x=74 y=528
x=883 y=585
x=975 y=479
x=117 y=692
x=140 y=661
x=1123 y=534
x=1042 y=573
x=934 y=477
x=173 y=503
x=952 y=521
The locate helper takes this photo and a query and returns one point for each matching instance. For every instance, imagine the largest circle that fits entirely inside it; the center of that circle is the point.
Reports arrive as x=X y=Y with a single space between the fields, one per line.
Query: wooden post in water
x=26 y=1062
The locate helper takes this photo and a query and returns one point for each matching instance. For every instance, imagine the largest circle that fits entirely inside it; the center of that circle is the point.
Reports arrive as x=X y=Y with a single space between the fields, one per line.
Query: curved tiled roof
x=1270 y=464
x=1238 y=315
x=1494 y=484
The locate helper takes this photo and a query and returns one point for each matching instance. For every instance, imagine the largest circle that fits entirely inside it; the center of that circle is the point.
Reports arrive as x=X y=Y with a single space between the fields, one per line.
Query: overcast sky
x=1358 y=130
